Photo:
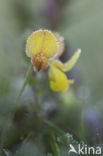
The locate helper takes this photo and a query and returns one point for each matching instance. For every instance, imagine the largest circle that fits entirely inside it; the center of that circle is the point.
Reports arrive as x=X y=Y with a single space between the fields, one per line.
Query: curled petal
x=69 y=64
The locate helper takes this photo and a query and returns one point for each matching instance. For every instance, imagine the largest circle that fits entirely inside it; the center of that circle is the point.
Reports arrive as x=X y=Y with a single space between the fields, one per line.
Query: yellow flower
x=44 y=48
x=58 y=79
x=41 y=46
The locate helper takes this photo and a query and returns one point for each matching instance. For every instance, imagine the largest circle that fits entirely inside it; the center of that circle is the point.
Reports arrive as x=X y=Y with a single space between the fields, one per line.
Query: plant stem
x=29 y=72
x=49 y=123
x=25 y=83
x=54 y=145
x=59 y=130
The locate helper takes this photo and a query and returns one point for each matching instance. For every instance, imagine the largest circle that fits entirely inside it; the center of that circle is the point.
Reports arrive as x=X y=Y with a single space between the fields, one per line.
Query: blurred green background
x=79 y=110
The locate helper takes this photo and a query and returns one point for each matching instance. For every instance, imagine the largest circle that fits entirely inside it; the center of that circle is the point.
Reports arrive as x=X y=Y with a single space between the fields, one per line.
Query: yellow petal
x=58 y=80
x=42 y=42
x=69 y=64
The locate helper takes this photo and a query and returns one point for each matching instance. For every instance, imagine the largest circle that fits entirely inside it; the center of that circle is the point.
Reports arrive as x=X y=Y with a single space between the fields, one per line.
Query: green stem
x=25 y=83
x=49 y=123
x=54 y=145
x=29 y=72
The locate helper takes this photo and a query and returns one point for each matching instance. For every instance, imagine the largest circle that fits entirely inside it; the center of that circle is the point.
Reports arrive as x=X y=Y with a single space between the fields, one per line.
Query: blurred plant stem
x=49 y=154
x=59 y=130
x=51 y=124
x=29 y=72
x=54 y=145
